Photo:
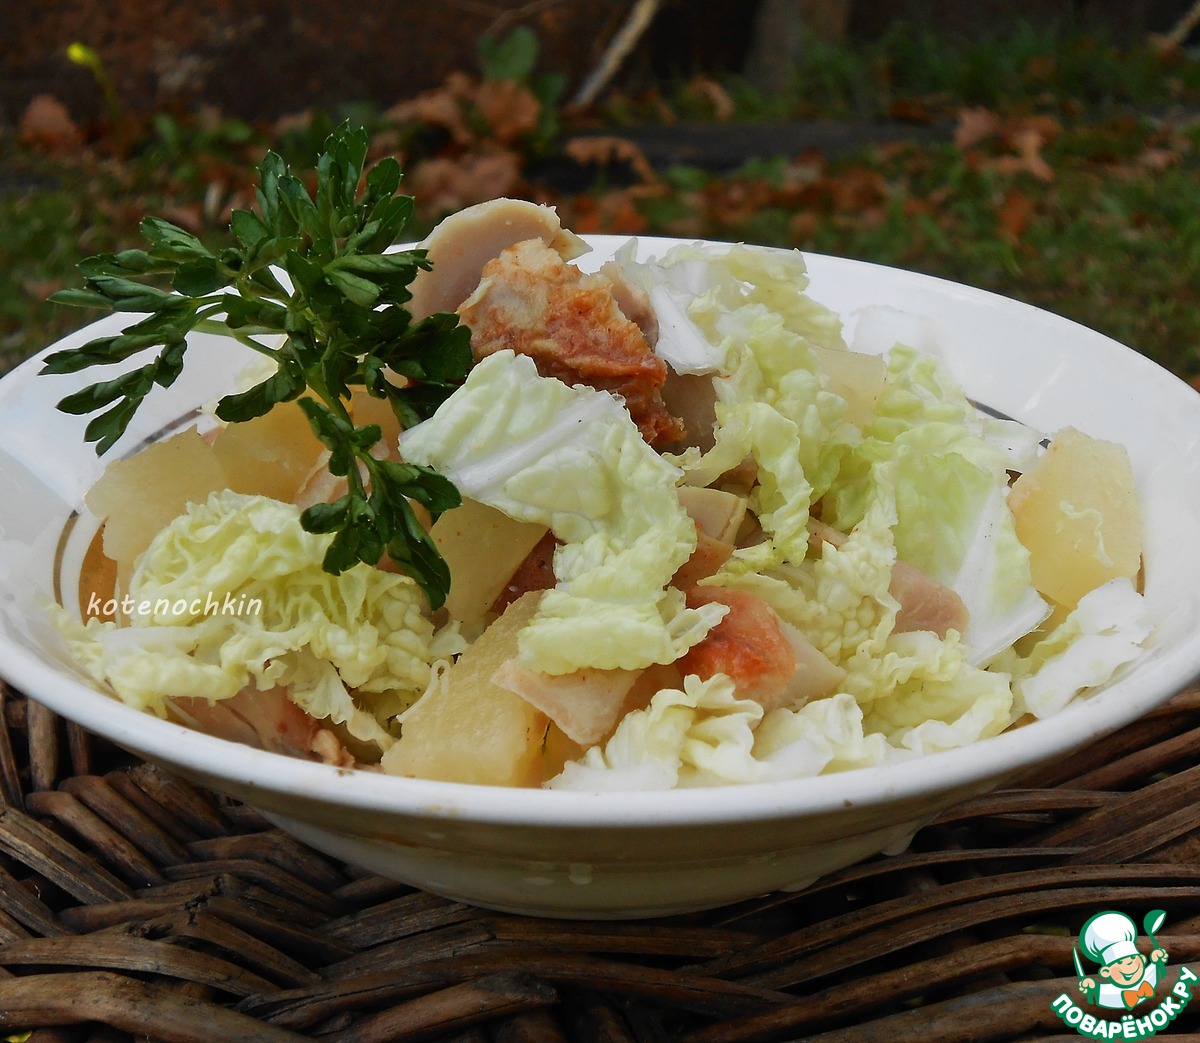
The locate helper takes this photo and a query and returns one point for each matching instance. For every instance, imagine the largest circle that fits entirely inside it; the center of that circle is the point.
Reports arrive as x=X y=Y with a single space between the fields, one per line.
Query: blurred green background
x=1048 y=151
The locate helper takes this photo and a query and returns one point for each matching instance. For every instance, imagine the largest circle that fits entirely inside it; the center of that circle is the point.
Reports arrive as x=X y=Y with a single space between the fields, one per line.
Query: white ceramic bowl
x=620 y=855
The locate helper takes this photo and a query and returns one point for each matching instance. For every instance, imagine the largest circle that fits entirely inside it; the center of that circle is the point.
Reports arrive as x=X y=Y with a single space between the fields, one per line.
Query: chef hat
x=1109 y=936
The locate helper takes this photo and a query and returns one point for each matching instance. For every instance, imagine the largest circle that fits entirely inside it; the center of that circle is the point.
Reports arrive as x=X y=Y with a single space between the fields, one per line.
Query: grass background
x=1063 y=170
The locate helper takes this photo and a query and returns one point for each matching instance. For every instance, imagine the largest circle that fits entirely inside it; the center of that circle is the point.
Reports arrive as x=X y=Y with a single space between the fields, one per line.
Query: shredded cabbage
x=702 y=734
x=924 y=482
x=950 y=487
x=232 y=594
x=1106 y=630
x=572 y=459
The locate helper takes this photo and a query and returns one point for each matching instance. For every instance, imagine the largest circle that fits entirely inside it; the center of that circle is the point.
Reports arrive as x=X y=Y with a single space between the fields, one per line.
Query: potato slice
x=141 y=494
x=1077 y=513
x=467 y=729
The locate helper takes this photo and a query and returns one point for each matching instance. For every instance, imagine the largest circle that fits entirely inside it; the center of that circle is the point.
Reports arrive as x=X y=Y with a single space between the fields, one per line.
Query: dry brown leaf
x=1014 y=214
x=40 y=289
x=737 y=202
x=293 y=123
x=915 y=207
x=716 y=95
x=602 y=149
x=857 y=189
x=910 y=110
x=189 y=216
x=1158 y=158
x=613 y=212
x=1028 y=159
x=444 y=185
x=974 y=126
x=803 y=226
x=1046 y=127
x=509 y=109
x=440 y=107
x=46 y=125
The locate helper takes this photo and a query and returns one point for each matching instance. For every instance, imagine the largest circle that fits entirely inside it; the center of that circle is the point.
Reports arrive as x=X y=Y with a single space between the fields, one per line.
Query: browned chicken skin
x=533 y=303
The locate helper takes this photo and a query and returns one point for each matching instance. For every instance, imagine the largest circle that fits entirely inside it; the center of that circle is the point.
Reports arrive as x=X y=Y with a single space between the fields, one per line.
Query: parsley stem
x=245 y=335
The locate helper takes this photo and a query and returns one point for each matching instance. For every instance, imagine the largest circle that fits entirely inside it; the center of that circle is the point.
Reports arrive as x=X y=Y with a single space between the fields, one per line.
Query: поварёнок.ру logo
x=1126 y=981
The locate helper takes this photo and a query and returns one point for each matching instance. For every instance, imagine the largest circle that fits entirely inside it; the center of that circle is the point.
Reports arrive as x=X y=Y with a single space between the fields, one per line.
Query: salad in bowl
x=584 y=577
x=513 y=509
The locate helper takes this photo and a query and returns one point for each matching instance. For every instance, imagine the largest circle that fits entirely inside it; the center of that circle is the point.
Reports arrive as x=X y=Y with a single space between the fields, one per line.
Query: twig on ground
x=638 y=21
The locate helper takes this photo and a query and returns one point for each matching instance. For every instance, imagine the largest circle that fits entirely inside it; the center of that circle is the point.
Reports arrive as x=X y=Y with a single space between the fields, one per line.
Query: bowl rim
x=1164 y=673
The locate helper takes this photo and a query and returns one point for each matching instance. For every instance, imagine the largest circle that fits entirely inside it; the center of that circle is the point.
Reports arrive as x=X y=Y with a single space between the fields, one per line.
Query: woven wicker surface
x=135 y=907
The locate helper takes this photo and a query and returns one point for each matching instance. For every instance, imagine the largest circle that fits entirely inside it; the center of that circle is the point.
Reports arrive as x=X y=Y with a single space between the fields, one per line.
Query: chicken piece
x=718 y=516
x=536 y=572
x=706 y=560
x=693 y=398
x=533 y=303
x=585 y=705
x=633 y=301
x=464 y=242
x=767 y=660
x=925 y=604
x=268 y=720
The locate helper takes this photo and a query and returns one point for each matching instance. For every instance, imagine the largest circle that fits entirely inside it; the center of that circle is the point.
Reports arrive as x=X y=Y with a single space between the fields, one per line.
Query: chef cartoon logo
x=1126 y=978
x=1126 y=982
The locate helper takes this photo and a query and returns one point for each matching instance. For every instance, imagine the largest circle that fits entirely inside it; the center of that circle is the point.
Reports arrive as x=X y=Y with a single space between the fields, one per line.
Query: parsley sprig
x=341 y=310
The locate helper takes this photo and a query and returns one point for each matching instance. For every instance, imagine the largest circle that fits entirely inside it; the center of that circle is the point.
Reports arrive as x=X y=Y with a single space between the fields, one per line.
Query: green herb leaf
x=341 y=322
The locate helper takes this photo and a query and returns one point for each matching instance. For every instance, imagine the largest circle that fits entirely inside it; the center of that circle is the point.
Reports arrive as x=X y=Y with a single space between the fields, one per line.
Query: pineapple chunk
x=482 y=548
x=467 y=729
x=98 y=579
x=559 y=750
x=271 y=455
x=367 y=409
x=1077 y=513
x=140 y=495
x=857 y=377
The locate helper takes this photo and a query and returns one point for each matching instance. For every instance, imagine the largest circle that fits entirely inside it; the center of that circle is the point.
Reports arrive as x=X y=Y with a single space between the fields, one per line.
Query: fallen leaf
x=910 y=110
x=1029 y=160
x=1158 y=158
x=440 y=107
x=46 y=125
x=857 y=189
x=1047 y=128
x=1041 y=68
x=40 y=289
x=602 y=150
x=1014 y=214
x=914 y=207
x=974 y=126
x=509 y=109
x=803 y=226
x=189 y=216
x=443 y=185
x=620 y=214
x=709 y=90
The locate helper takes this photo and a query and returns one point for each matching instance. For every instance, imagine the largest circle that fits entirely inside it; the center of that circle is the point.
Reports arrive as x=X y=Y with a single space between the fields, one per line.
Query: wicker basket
x=135 y=907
